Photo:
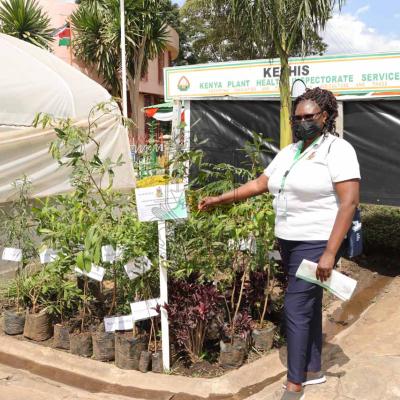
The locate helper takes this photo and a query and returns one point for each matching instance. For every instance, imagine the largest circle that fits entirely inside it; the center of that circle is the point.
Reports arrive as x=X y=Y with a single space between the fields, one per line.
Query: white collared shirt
x=310 y=196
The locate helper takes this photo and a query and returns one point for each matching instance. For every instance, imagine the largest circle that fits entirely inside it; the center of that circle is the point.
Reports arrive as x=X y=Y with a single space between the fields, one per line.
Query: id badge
x=281 y=205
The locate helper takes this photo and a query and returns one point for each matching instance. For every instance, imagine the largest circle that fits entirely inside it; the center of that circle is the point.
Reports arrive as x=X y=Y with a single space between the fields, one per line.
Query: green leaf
x=60 y=133
x=96 y=160
x=74 y=154
x=80 y=261
x=45 y=231
x=97 y=253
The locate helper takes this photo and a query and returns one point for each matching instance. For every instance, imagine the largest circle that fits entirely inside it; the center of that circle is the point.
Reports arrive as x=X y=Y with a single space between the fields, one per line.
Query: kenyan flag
x=64 y=35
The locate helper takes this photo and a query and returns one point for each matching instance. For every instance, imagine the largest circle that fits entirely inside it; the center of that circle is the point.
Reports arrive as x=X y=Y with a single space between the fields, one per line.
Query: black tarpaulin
x=227 y=125
x=373 y=128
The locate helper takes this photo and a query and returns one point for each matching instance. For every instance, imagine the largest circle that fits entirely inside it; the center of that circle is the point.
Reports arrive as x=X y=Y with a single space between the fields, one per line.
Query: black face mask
x=306 y=130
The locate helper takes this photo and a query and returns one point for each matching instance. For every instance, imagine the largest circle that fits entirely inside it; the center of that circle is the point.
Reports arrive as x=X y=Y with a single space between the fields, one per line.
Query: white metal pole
x=175 y=130
x=186 y=106
x=162 y=250
x=123 y=62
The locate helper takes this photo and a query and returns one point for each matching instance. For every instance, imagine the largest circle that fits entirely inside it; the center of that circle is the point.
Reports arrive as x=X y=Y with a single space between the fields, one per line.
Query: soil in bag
x=145 y=361
x=13 y=322
x=81 y=344
x=103 y=346
x=128 y=350
x=263 y=338
x=38 y=326
x=157 y=362
x=61 y=337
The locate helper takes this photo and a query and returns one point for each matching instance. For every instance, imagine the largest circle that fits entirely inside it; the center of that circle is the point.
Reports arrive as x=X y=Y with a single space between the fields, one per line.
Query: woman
x=315 y=184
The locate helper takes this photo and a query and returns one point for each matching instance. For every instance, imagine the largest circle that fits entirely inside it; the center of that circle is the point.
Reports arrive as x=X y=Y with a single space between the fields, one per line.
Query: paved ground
x=16 y=384
x=362 y=362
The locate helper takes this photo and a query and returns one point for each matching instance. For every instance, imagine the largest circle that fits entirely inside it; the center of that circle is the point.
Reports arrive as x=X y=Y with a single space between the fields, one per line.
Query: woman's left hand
x=325 y=266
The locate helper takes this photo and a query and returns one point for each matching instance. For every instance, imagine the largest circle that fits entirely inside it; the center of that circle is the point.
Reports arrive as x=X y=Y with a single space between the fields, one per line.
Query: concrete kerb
x=95 y=376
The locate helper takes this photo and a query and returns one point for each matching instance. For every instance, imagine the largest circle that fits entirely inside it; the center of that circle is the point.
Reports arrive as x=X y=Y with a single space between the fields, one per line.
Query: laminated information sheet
x=12 y=254
x=161 y=203
x=339 y=284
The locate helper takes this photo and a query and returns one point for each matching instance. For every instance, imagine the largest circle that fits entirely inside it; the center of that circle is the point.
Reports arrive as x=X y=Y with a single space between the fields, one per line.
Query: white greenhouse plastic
x=33 y=80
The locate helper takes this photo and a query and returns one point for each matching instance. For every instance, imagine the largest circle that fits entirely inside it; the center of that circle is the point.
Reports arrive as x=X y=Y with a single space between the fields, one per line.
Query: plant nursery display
x=88 y=269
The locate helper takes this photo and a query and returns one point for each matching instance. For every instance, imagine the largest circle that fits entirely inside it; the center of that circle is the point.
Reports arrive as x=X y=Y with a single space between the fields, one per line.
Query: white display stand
x=162 y=250
x=161 y=203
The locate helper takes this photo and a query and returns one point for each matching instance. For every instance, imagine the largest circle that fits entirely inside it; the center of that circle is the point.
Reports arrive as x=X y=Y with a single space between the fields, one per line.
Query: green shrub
x=381 y=227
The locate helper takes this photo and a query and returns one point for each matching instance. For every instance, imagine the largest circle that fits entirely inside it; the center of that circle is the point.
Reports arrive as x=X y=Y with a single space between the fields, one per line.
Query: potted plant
x=15 y=308
x=39 y=290
x=132 y=347
x=148 y=359
x=71 y=224
x=18 y=229
x=81 y=338
x=263 y=332
x=233 y=351
x=236 y=330
x=64 y=306
x=191 y=309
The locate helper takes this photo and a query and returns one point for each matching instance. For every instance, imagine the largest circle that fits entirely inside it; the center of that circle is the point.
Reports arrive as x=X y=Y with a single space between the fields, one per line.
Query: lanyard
x=297 y=157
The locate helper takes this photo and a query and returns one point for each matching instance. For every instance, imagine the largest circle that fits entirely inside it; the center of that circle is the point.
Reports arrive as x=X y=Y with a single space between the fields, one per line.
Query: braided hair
x=326 y=101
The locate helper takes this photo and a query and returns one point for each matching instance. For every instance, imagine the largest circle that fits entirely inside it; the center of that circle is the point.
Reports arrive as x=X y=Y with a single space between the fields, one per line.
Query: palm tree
x=27 y=21
x=285 y=22
x=96 y=25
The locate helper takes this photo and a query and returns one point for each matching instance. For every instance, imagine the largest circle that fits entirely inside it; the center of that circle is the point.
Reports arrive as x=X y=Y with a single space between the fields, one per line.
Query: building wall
x=151 y=86
x=154 y=80
x=59 y=13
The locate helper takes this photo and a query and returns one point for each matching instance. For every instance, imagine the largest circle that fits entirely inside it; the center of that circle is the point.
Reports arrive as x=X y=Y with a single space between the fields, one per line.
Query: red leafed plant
x=191 y=308
x=241 y=326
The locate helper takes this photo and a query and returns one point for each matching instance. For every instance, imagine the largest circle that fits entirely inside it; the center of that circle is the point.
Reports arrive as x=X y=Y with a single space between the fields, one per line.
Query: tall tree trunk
x=286 y=102
x=133 y=84
x=134 y=95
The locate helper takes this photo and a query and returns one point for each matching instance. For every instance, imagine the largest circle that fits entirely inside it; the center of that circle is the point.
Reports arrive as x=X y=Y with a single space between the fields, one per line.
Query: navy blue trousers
x=303 y=310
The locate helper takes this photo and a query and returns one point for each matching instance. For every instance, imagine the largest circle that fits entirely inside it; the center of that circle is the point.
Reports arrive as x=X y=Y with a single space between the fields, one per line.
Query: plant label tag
x=96 y=273
x=119 y=253
x=123 y=323
x=137 y=267
x=248 y=244
x=274 y=255
x=132 y=271
x=108 y=253
x=144 y=309
x=47 y=256
x=12 y=254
